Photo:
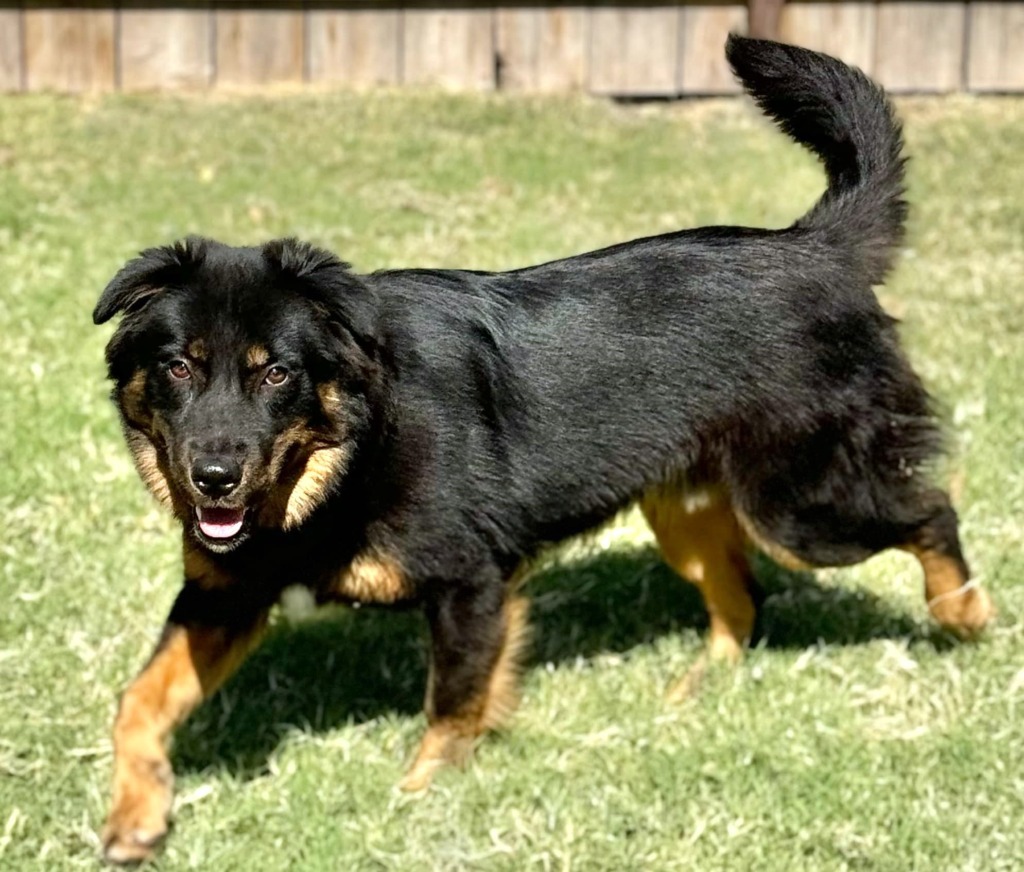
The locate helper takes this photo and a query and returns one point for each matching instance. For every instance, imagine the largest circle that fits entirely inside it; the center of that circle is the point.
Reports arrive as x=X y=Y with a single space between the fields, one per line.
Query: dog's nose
x=216 y=476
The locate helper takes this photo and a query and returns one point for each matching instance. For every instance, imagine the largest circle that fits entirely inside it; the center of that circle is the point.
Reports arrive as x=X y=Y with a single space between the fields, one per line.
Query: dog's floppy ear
x=328 y=283
x=139 y=280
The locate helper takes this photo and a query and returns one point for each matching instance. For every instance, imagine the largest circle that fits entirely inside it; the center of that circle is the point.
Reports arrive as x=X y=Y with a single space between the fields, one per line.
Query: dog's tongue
x=220 y=523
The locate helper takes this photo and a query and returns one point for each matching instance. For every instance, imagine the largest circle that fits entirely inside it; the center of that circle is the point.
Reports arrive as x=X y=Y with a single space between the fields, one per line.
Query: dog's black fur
x=469 y=418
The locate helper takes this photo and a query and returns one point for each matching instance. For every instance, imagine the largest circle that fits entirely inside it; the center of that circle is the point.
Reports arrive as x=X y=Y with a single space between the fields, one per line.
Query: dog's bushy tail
x=846 y=119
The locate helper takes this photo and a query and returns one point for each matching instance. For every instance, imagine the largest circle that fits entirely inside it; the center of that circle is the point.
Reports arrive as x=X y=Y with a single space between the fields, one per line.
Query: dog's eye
x=179 y=369
x=276 y=375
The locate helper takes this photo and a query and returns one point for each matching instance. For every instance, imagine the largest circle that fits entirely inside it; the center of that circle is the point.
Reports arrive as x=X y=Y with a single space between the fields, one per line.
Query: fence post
x=763 y=18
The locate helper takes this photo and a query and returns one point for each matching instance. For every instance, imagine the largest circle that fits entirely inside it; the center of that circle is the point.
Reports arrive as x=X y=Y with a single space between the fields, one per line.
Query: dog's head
x=242 y=376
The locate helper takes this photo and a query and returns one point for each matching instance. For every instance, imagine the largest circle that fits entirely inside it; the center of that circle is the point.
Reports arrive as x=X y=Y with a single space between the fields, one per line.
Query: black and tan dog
x=415 y=436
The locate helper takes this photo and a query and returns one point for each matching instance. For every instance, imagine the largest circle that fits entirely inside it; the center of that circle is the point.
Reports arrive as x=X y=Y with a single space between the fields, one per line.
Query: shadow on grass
x=350 y=666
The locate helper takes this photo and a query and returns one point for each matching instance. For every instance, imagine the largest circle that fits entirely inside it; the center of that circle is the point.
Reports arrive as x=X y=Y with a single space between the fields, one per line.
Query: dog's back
x=687 y=354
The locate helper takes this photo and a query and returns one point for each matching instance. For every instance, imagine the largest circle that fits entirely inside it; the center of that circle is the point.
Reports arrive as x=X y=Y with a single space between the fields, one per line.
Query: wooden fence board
x=166 y=48
x=10 y=50
x=259 y=47
x=920 y=46
x=996 y=47
x=69 y=49
x=844 y=30
x=634 y=50
x=764 y=18
x=449 y=48
x=542 y=49
x=703 y=68
x=357 y=47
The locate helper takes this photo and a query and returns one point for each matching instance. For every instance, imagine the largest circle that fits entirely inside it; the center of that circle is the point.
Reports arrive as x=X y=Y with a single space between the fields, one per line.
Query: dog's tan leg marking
x=449 y=739
x=189 y=664
x=955 y=602
x=702 y=541
x=373 y=577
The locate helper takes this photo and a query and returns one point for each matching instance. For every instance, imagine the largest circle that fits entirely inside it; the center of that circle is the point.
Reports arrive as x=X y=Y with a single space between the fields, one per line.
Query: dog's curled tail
x=846 y=119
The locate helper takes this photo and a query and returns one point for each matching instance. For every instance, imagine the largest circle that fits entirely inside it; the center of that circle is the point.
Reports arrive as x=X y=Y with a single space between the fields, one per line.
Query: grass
x=853 y=737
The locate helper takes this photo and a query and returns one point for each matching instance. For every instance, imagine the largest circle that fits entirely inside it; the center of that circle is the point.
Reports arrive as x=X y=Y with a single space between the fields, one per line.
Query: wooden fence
x=653 y=48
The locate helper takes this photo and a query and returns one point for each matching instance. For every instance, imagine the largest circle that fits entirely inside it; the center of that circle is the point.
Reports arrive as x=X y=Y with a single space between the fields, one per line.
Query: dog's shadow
x=353 y=665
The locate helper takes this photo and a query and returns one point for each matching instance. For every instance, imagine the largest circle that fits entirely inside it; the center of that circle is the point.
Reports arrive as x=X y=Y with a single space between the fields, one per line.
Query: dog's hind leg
x=874 y=516
x=953 y=599
x=478 y=638
x=700 y=538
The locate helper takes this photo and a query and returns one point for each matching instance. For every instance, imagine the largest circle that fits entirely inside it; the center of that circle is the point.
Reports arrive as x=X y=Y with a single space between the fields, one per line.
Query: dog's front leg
x=191 y=660
x=478 y=636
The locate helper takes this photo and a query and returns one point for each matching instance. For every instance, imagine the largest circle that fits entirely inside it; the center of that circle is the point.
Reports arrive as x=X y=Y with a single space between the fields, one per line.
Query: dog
x=414 y=437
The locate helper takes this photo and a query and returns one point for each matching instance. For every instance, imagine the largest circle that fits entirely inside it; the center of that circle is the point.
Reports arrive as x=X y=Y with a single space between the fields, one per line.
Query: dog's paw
x=125 y=846
x=136 y=825
x=420 y=775
x=964 y=612
x=686 y=688
x=441 y=746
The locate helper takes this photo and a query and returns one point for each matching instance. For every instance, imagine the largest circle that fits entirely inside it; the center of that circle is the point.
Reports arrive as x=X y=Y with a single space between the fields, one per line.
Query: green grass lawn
x=853 y=737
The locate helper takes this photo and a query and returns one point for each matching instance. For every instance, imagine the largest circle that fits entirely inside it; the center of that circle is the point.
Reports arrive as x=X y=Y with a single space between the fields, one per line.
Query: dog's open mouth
x=220 y=524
